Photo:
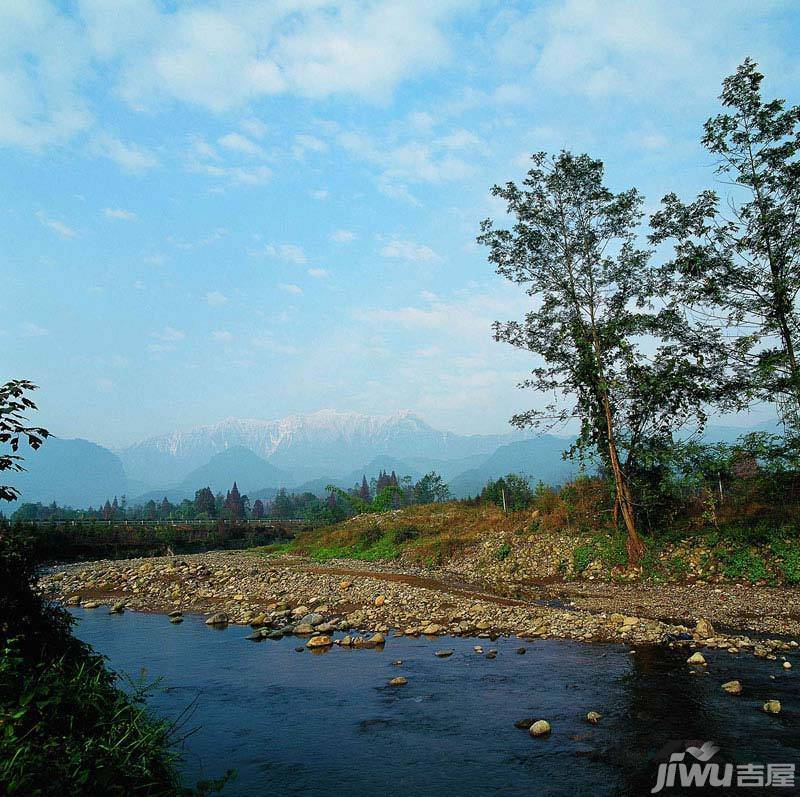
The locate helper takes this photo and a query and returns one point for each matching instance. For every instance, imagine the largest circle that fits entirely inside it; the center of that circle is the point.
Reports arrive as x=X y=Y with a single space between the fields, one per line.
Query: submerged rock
x=117 y=608
x=594 y=717
x=525 y=724
x=443 y=654
x=733 y=687
x=399 y=681
x=319 y=641
x=772 y=706
x=220 y=618
x=697 y=658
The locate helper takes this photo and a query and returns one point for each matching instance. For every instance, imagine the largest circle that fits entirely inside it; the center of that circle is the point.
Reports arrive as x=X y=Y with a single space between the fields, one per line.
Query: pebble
x=772 y=706
x=787 y=665
x=594 y=717
x=399 y=681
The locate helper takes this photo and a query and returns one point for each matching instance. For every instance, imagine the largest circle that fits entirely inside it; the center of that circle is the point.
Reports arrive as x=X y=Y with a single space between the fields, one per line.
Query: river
x=302 y=723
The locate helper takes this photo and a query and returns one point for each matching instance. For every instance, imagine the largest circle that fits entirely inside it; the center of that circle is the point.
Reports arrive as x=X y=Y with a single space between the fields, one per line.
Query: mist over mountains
x=299 y=452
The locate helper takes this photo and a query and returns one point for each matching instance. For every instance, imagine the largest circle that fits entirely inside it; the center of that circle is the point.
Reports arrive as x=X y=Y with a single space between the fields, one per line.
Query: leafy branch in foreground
x=13 y=406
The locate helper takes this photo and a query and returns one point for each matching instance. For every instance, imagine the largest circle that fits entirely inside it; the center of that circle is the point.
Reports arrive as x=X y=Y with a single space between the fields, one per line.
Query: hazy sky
x=259 y=208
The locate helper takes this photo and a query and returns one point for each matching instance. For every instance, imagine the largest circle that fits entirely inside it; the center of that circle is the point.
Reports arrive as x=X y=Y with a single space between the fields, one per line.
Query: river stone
x=399 y=681
x=787 y=665
x=72 y=601
x=540 y=728
x=594 y=717
x=697 y=658
x=117 y=608
x=345 y=584
x=377 y=639
x=304 y=628
x=772 y=706
x=312 y=619
x=319 y=641
x=300 y=611
x=176 y=613
x=380 y=600
x=177 y=619
x=258 y=620
x=703 y=629
x=256 y=636
x=276 y=634
x=522 y=651
x=431 y=629
x=90 y=605
x=733 y=687
x=443 y=654
x=346 y=641
x=220 y=618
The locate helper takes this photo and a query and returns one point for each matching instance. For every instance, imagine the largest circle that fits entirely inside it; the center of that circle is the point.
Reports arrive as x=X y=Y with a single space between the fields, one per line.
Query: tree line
x=635 y=351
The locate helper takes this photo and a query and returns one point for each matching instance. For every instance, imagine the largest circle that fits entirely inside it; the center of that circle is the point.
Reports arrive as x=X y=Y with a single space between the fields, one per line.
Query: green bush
x=404 y=534
x=502 y=552
x=582 y=557
x=65 y=726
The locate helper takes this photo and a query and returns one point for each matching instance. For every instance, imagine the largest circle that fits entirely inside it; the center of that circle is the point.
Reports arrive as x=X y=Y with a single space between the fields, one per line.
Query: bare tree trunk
x=624 y=499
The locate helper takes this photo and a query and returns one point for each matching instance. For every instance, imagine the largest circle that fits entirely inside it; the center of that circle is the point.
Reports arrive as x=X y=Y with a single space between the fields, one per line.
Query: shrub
x=582 y=557
x=502 y=552
x=66 y=727
x=404 y=534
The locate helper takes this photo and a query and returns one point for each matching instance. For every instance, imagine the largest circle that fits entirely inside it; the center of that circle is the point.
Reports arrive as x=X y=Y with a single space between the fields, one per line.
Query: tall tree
x=738 y=261
x=258 y=509
x=204 y=502
x=14 y=404
x=633 y=371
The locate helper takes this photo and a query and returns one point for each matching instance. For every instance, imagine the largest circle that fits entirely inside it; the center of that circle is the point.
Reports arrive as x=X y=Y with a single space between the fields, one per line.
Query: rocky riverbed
x=290 y=595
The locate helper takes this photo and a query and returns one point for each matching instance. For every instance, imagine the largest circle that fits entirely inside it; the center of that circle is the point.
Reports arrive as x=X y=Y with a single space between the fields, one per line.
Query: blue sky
x=259 y=208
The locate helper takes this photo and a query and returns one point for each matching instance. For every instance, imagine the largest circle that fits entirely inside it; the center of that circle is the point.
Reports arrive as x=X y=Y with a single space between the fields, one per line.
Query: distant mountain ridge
x=301 y=452
x=334 y=442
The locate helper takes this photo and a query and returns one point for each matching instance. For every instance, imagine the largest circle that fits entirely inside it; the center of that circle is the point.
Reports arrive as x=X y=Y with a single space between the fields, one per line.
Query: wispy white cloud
x=291 y=253
x=119 y=213
x=31 y=330
x=221 y=336
x=318 y=273
x=289 y=287
x=56 y=225
x=169 y=335
x=408 y=250
x=343 y=236
x=239 y=143
x=128 y=156
x=215 y=299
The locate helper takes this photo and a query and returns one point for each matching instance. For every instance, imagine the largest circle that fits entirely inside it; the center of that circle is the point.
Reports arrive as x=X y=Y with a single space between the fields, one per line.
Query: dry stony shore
x=291 y=595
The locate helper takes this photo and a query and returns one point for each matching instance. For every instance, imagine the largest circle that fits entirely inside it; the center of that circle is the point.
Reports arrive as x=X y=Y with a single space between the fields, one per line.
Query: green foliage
x=503 y=552
x=430 y=489
x=514 y=488
x=404 y=534
x=582 y=557
x=741 y=563
x=66 y=727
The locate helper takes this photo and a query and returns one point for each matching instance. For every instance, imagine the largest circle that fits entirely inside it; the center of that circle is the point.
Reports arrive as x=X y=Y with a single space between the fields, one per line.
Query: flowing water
x=303 y=723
